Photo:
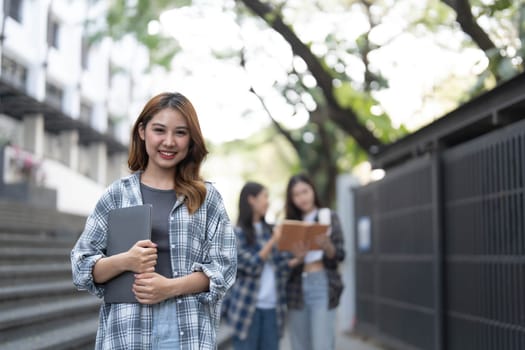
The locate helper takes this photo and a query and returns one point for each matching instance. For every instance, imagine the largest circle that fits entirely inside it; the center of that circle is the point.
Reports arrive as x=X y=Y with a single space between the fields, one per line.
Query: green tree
x=504 y=52
x=347 y=122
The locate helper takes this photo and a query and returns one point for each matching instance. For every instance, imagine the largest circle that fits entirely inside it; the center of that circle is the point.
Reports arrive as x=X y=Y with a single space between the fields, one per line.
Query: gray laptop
x=126 y=226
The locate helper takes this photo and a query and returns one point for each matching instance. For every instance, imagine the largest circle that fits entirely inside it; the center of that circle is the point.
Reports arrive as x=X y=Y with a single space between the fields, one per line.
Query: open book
x=294 y=231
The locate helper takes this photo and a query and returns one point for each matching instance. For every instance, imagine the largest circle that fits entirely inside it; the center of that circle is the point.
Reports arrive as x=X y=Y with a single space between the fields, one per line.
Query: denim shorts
x=165 y=326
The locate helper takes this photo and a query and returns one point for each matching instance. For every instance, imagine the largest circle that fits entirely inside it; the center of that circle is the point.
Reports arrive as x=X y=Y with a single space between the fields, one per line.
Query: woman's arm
x=140 y=258
x=152 y=288
x=249 y=259
x=265 y=251
x=220 y=265
x=336 y=248
x=91 y=246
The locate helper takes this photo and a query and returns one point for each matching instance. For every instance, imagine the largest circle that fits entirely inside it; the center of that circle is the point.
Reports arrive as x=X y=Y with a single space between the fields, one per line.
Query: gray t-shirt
x=162 y=202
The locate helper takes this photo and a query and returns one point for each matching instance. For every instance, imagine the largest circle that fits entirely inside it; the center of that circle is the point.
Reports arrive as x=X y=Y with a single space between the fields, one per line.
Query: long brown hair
x=188 y=181
x=245 y=220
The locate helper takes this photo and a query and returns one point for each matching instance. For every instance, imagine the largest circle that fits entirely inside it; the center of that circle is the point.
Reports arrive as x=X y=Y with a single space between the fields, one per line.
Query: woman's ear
x=141 y=131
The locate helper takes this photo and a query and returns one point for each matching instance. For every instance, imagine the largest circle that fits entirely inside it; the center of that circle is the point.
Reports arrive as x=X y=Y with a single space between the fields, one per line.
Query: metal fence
x=440 y=248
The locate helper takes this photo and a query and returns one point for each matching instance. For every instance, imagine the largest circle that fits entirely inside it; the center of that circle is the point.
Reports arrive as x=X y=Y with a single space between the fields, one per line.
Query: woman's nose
x=169 y=140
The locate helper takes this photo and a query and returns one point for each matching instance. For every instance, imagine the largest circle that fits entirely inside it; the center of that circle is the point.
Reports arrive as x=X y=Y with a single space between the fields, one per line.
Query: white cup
x=324 y=216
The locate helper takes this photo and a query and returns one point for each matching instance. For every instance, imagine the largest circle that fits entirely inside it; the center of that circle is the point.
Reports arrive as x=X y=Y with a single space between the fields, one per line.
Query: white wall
x=345 y=210
x=77 y=194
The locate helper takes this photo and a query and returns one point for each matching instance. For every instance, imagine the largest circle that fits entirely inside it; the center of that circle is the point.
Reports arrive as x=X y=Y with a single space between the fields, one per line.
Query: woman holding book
x=315 y=285
x=183 y=272
x=255 y=306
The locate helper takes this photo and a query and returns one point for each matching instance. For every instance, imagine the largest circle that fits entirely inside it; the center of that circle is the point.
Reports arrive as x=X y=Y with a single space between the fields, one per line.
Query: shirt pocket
x=199 y=243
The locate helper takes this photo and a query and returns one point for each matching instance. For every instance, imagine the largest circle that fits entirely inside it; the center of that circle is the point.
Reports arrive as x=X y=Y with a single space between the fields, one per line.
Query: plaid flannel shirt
x=335 y=284
x=203 y=241
x=241 y=301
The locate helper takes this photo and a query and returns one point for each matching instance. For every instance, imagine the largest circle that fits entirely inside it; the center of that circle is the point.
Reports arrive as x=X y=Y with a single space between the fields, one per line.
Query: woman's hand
x=142 y=257
x=151 y=288
x=299 y=250
x=276 y=234
x=326 y=245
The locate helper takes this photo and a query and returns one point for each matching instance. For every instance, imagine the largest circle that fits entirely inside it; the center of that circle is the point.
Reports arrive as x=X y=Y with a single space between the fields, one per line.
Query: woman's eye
x=158 y=130
x=181 y=132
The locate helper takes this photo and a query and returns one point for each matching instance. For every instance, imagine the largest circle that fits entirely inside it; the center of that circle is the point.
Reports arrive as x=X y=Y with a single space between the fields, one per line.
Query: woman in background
x=315 y=285
x=256 y=303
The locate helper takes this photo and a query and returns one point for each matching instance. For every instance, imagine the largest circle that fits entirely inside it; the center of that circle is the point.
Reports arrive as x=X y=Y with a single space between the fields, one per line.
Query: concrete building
x=66 y=102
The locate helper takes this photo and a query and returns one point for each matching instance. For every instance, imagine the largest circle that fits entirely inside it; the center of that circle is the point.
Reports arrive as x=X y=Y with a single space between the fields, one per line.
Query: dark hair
x=291 y=210
x=245 y=220
x=187 y=174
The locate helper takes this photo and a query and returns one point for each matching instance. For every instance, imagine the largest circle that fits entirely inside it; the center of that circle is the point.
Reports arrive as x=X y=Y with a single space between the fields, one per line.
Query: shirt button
x=173 y=246
x=175 y=274
x=179 y=301
x=181 y=333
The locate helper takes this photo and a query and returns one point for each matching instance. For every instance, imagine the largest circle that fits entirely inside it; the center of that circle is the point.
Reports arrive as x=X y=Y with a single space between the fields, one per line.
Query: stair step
x=72 y=335
x=29 y=270
x=24 y=254
x=36 y=289
x=11 y=275
x=33 y=240
x=25 y=315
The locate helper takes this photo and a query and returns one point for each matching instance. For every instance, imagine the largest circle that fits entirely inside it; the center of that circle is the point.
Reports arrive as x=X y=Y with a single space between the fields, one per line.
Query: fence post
x=438 y=238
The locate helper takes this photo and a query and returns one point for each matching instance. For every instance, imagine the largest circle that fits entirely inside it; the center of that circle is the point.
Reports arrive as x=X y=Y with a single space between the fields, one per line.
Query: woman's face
x=167 y=139
x=259 y=204
x=303 y=197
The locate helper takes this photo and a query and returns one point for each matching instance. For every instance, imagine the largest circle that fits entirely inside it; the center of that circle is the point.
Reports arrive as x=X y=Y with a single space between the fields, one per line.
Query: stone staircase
x=39 y=306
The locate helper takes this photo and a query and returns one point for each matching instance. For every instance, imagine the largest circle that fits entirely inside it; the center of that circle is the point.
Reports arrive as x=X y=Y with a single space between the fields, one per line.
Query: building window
x=86 y=110
x=14 y=72
x=14 y=9
x=53 y=29
x=112 y=124
x=54 y=95
x=84 y=52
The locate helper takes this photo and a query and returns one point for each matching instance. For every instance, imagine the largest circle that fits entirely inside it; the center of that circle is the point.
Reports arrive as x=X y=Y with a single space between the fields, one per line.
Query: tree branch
x=468 y=24
x=345 y=118
x=275 y=123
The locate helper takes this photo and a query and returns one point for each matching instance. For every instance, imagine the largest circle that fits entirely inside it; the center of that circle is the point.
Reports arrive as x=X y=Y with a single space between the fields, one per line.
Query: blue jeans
x=165 y=326
x=263 y=333
x=312 y=328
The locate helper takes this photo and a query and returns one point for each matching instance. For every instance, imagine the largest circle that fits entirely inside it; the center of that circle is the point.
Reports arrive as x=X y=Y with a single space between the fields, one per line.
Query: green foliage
x=434 y=17
x=331 y=145
x=123 y=19
x=496 y=6
x=521 y=31
x=362 y=103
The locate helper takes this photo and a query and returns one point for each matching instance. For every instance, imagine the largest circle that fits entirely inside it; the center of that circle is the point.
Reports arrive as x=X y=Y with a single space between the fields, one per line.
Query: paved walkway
x=342 y=342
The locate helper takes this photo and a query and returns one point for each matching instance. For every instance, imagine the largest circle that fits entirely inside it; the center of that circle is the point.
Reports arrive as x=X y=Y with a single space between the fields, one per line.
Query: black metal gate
x=485 y=242
x=441 y=262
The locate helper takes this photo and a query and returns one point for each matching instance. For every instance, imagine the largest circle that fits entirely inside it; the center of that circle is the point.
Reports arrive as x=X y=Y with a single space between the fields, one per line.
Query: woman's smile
x=167 y=155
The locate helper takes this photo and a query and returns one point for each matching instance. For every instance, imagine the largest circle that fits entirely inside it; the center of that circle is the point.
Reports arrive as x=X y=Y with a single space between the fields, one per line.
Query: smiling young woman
x=184 y=271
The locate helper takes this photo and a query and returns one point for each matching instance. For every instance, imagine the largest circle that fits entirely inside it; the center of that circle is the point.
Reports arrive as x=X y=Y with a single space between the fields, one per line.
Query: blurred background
x=327 y=87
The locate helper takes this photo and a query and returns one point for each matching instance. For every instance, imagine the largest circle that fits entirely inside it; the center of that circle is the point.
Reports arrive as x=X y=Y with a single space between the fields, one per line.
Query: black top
x=162 y=202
